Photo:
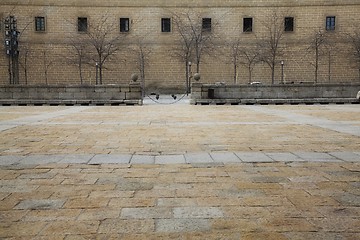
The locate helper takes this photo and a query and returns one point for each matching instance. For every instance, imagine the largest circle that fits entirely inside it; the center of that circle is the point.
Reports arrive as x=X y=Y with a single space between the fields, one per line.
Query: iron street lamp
x=97 y=72
x=282 y=71
x=188 y=84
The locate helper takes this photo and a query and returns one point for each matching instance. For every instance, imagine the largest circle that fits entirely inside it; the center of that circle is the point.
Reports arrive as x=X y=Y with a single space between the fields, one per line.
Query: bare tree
x=103 y=36
x=318 y=46
x=196 y=39
x=142 y=52
x=79 y=55
x=47 y=63
x=270 y=43
x=24 y=60
x=235 y=51
x=354 y=40
x=249 y=58
x=183 y=49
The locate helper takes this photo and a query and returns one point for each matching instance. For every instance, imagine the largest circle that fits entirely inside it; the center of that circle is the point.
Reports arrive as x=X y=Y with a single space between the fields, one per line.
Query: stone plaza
x=180 y=171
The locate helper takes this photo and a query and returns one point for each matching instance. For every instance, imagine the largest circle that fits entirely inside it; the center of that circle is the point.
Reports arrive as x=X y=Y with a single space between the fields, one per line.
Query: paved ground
x=180 y=171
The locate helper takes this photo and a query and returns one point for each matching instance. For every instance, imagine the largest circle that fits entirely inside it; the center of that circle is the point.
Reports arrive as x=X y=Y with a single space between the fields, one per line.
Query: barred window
x=289 y=24
x=40 y=24
x=206 y=24
x=165 y=25
x=124 y=24
x=330 y=23
x=82 y=24
x=247 y=25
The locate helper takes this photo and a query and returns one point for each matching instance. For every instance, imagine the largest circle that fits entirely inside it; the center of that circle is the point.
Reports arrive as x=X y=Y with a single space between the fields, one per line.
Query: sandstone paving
x=177 y=129
x=234 y=201
x=180 y=172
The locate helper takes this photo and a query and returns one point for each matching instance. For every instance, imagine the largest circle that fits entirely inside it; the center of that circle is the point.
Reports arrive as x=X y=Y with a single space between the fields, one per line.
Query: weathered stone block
x=132 y=95
x=66 y=96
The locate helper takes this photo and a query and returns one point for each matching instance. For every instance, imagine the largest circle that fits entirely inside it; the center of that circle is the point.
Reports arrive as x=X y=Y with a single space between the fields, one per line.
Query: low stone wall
x=288 y=93
x=79 y=94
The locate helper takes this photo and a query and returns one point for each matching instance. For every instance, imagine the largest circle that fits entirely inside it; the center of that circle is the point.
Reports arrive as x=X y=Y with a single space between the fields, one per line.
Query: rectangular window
x=247 y=25
x=206 y=24
x=124 y=24
x=40 y=24
x=330 y=23
x=289 y=24
x=82 y=24
x=165 y=25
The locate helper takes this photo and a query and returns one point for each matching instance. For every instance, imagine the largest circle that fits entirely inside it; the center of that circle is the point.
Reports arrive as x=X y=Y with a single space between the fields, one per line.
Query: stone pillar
x=196 y=89
x=134 y=92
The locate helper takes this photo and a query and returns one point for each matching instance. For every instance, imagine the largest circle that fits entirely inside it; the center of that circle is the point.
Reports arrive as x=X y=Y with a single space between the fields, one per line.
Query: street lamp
x=97 y=72
x=282 y=71
x=189 y=80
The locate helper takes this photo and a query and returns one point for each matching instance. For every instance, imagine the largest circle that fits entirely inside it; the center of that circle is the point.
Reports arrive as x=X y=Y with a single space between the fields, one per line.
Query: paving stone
x=346 y=156
x=12 y=216
x=267 y=179
x=253 y=157
x=40 y=159
x=52 y=215
x=290 y=224
x=70 y=227
x=126 y=226
x=348 y=199
x=319 y=235
x=78 y=158
x=40 y=204
x=344 y=224
x=176 y=202
x=17 y=188
x=284 y=157
x=131 y=202
x=86 y=203
x=182 y=225
x=21 y=229
x=10 y=160
x=110 y=158
x=225 y=157
x=144 y=213
x=198 y=158
x=98 y=214
x=265 y=235
x=170 y=159
x=197 y=212
x=142 y=159
x=127 y=185
x=316 y=157
x=311 y=179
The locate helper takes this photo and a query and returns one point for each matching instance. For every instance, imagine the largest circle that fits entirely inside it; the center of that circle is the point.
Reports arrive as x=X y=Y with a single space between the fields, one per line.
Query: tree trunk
x=100 y=74
x=250 y=73
x=187 y=75
x=235 y=73
x=80 y=73
x=273 y=74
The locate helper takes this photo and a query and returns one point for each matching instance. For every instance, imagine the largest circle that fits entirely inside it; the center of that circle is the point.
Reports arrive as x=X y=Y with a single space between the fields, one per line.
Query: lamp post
x=282 y=71
x=188 y=84
x=97 y=72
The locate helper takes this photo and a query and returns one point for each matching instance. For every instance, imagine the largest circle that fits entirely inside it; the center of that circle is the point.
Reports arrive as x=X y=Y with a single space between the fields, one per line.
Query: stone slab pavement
x=176 y=171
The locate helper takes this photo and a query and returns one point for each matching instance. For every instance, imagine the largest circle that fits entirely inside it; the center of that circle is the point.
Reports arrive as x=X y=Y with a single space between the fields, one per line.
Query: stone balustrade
x=273 y=94
x=71 y=94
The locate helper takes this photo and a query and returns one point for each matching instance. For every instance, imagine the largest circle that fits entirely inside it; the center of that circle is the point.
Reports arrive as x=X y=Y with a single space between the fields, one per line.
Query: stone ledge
x=308 y=101
x=30 y=102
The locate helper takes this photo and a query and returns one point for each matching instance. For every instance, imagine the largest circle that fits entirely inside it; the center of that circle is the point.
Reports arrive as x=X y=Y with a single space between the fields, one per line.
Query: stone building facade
x=144 y=35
